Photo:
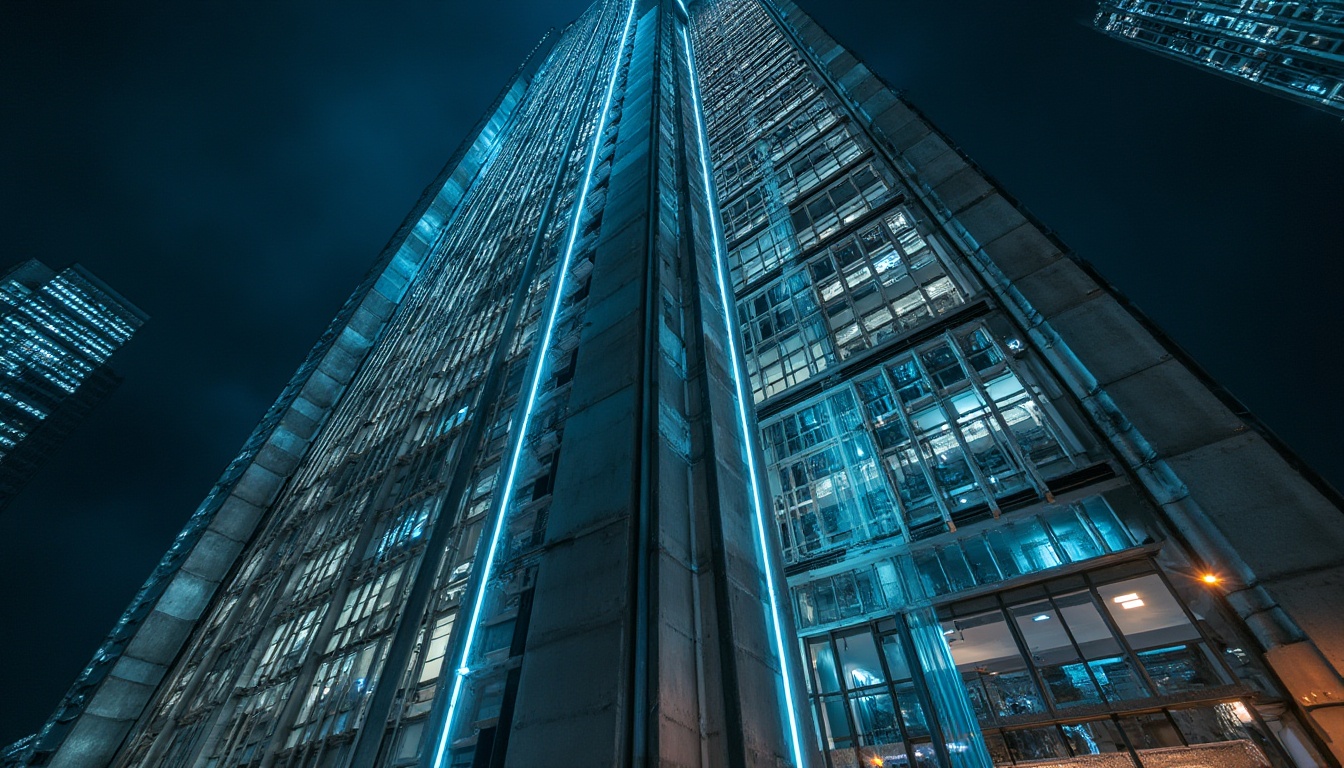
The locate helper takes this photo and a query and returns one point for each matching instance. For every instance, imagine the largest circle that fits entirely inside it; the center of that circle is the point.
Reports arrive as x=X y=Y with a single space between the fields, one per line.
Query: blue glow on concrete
x=557 y=295
x=721 y=267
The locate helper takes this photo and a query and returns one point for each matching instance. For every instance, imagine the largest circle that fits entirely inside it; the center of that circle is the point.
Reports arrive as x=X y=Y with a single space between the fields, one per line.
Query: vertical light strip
x=538 y=369
x=721 y=267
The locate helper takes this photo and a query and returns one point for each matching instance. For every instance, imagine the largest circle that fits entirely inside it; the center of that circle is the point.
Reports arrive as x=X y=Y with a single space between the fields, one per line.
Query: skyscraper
x=712 y=409
x=57 y=332
x=1293 y=49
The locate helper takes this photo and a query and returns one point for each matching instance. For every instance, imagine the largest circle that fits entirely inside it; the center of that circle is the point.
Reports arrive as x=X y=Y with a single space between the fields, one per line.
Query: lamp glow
x=1210 y=579
x=721 y=268
x=557 y=294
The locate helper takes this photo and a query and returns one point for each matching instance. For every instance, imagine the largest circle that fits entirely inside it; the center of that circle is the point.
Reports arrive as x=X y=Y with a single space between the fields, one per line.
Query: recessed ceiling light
x=1126 y=598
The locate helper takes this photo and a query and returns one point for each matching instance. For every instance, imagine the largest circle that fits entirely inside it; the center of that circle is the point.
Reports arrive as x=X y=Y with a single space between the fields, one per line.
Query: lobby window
x=1168 y=645
x=866 y=695
x=1222 y=734
x=1072 y=644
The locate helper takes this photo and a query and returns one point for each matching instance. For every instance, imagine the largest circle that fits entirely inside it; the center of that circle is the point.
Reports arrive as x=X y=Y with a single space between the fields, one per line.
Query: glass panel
x=835 y=723
x=1112 y=531
x=980 y=560
x=1147 y=613
x=1023 y=547
x=912 y=712
x=1035 y=744
x=954 y=565
x=931 y=575
x=823 y=664
x=998 y=750
x=947 y=695
x=1095 y=737
x=1089 y=629
x=858 y=658
x=1205 y=725
x=1073 y=535
x=875 y=718
x=1055 y=657
x=1150 y=731
x=1118 y=678
x=989 y=661
x=1181 y=668
x=896 y=663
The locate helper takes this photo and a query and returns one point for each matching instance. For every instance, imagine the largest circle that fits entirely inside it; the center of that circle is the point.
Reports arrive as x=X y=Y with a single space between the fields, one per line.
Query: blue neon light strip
x=762 y=546
x=557 y=294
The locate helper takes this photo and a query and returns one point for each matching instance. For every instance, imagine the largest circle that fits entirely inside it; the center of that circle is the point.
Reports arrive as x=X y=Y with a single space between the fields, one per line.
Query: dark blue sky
x=234 y=169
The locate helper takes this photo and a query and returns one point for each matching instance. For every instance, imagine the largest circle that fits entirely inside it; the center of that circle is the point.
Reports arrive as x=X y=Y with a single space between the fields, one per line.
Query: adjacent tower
x=711 y=409
x=57 y=332
x=1293 y=49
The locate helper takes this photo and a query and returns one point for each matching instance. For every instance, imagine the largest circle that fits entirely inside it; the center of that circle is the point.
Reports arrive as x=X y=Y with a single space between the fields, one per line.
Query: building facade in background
x=57 y=332
x=1294 y=49
x=712 y=410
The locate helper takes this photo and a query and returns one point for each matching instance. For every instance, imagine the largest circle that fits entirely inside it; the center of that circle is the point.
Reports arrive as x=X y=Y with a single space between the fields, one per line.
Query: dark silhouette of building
x=712 y=409
x=57 y=333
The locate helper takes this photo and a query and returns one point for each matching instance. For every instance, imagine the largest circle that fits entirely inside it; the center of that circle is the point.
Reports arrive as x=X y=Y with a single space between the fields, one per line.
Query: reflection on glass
x=1068 y=681
x=835 y=723
x=1023 y=547
x=1151 y=731
x=1094 y=737
x=875 y=717
x=896 y=663
x=993 y=670
x=858 y=658
x=823 y=665
x=1204 y=725
x=912 y=712
x=1181 y=668
x=1035 y=744
x=1118 y=678
x=1073 y=535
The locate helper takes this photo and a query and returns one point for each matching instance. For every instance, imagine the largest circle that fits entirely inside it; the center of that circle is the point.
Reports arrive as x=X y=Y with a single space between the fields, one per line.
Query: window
x=822 y=215
x=1168 y=645
x=827 y=488
x=772 y=248
x=881 y=282
x=860 y=592
x=958 y=427
x=819 y=161
x=997 y=678
x=784 y=338
x=865 y=693
x=1063 y=646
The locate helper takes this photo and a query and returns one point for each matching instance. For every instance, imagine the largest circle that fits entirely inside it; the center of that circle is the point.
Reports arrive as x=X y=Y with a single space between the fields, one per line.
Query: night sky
x=234 y=169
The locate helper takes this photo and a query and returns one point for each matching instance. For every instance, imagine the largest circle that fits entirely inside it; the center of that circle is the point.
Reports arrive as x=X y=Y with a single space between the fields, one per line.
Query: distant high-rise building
x=711 y=409
x=1294 y=49
x=57 y=332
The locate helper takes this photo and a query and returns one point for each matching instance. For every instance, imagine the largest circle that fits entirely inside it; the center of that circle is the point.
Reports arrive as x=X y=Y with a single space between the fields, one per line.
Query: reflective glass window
x=992 y=667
